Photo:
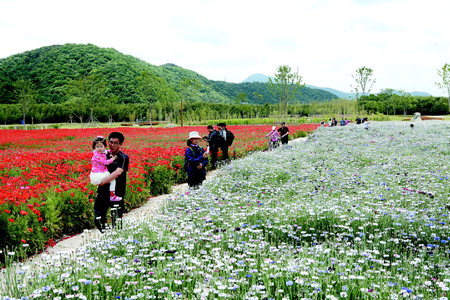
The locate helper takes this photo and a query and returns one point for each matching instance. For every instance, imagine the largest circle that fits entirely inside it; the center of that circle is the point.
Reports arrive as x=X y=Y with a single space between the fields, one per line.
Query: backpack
x=216 y=140
x=230 y=138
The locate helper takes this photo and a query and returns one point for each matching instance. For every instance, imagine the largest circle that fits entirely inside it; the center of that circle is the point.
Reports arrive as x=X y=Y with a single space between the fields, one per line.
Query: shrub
x=162 y=178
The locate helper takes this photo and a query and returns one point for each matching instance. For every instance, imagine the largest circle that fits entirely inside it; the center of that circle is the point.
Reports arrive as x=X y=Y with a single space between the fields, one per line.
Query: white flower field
x=348 y=214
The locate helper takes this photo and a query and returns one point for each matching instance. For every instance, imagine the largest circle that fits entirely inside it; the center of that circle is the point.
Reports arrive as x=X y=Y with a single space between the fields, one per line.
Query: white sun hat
x=194 y=135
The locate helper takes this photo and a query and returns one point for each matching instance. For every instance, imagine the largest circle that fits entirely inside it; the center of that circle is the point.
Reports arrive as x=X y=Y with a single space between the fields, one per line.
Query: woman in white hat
x=195 y=160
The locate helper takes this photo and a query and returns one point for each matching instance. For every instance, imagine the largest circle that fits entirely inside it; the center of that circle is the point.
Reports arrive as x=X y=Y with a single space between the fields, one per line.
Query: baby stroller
x=273 y=144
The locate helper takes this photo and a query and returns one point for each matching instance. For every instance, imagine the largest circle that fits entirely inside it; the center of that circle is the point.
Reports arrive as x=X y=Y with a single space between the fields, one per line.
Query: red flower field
x=44 y=185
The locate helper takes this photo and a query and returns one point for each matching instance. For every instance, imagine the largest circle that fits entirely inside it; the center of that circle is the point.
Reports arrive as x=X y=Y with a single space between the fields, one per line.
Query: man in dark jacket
x=284 y=133
x=222 y=127
x=214 y=140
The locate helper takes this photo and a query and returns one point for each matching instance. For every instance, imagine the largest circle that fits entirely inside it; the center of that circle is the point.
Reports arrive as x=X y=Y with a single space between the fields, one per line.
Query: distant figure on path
x=228 y=138
x=118 y=169
x=196 y=160
x=366 y=124
x=284 y=133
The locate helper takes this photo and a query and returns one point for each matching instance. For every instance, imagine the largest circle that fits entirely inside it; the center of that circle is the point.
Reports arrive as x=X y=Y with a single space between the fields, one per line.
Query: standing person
x=223 y=133
x=366 y=124
x=274 y=138
x=118 y=170
x=196 y=160
x=214 y=140
x=99 y=169
x=284 y=133
x=334 y=122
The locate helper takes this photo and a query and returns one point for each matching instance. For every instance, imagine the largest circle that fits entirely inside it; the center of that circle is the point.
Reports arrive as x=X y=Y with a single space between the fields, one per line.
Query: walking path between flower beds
x=70 y=245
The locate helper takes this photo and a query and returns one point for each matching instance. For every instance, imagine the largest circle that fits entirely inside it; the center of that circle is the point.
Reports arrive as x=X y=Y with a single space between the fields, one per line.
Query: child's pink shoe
x=115 y=198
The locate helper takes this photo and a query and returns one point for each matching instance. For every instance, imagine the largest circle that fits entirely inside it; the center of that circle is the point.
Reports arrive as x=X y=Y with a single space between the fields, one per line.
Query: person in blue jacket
x=196 y=158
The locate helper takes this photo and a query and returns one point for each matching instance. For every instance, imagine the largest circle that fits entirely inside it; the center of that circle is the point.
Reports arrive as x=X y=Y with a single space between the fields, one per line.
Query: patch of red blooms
x=33 y=162
x=50 y=243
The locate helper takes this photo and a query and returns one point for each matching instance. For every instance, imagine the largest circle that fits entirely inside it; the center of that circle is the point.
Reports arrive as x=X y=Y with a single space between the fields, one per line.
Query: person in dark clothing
x=196 y=160
x=222 y=127
x=214 y=140
x=284 y=133
x=118 y=170
x=334 y=121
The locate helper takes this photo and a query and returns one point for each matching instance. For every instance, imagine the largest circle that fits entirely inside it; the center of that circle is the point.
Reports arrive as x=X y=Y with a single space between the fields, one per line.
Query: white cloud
x=404 y=41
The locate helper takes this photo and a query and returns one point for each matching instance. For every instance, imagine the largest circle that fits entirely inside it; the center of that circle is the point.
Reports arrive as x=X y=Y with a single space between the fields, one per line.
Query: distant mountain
x=341 y=95
x=422 y=94
x=52 y=69
x=264 y=78
x=257 y=78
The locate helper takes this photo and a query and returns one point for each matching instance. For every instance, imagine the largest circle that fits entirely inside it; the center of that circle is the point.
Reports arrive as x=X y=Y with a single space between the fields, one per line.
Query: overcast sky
x=405 y=42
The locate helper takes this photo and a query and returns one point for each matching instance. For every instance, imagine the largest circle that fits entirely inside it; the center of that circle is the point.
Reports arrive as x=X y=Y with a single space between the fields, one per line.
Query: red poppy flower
x=23 y=213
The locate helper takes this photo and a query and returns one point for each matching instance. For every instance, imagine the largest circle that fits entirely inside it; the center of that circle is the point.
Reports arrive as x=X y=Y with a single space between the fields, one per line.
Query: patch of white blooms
x=349 y=214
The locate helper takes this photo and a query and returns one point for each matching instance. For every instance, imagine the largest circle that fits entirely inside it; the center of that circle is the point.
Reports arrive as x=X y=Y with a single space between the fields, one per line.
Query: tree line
x=392 y=101
x=384 y=103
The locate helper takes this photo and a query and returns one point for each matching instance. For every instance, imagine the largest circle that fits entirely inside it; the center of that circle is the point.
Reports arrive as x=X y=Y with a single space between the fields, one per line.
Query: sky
x=405 y=42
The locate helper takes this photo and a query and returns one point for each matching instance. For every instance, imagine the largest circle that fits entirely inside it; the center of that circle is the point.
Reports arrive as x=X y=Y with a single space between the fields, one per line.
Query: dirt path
x=69 y=246
x=151 y=207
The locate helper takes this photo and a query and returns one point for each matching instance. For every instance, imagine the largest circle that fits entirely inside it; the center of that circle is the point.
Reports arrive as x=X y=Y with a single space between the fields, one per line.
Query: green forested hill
x=53 y=70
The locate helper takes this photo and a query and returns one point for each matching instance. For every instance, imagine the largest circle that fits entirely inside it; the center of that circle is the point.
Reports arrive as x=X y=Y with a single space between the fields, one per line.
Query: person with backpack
x=228 y=138
x=215 y=140
x=195 y=160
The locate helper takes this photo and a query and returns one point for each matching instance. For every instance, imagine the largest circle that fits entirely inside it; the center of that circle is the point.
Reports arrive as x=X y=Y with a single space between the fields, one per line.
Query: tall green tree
x=154 y=89
x=444 y=74
x=85 y=94
x=285 y=85
x=241 y=98
x=364 y=81
x=189 y=88
x=25 y=93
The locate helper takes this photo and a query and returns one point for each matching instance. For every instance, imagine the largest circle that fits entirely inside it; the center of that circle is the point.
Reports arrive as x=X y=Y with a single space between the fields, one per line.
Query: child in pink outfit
x=99 y=162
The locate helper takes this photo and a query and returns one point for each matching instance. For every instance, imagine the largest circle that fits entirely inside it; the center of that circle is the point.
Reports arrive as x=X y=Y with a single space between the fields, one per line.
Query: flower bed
x=350 y=214
x=44 y=184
